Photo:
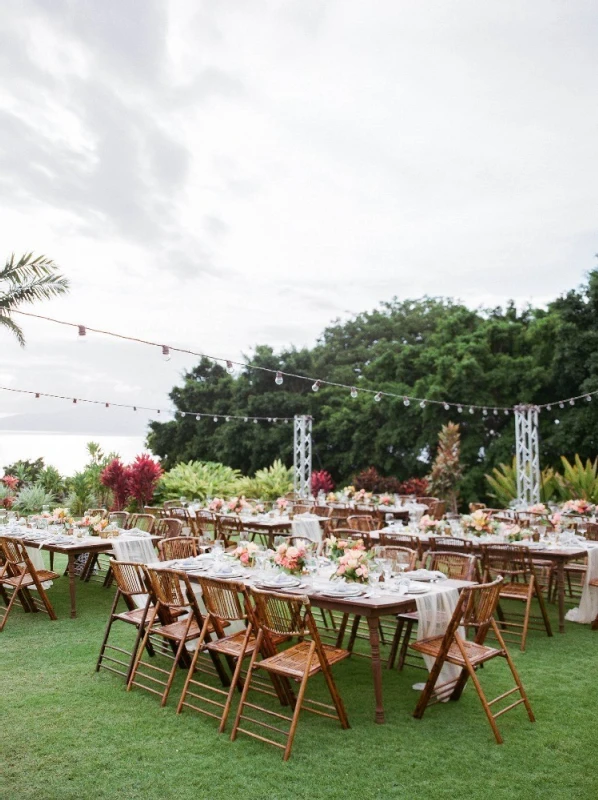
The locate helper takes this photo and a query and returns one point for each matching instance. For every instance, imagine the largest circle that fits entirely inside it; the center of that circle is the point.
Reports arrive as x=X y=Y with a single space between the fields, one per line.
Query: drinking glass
x=278 y=540
x=374 y=580
x=386 y=565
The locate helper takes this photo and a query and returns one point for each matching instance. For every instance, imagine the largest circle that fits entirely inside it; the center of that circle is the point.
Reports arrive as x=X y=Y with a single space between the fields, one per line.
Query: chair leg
x=142 y=647
x=543 y=610
x=395 y=644
x=298 y=704
x=250 y=669
x=191 y=669
x=425 y=696
x=405 y=645
x=175 y=663
x=484 y=702
x=234 y=682
x=354 y=629
x=107 y=632
x=8 y=608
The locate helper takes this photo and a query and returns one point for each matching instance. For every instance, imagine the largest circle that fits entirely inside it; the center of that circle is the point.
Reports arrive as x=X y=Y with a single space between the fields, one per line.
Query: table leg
x=560 y=584
x=71 y=569
x=376 y=668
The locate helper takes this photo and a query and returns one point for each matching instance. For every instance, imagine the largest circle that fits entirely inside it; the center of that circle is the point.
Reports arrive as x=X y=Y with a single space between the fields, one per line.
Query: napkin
x=223 y=569
x=426 y=575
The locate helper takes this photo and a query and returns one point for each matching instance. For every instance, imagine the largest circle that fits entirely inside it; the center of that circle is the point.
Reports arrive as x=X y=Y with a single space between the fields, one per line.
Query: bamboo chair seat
x=292 y=663
x=514 y=591
x=136 y=616
x=476 y=653
x=233 y=645
x=26 y=581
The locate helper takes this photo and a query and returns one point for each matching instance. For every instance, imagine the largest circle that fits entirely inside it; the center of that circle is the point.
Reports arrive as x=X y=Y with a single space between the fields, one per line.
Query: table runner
x=308 y=527
x=435 y=610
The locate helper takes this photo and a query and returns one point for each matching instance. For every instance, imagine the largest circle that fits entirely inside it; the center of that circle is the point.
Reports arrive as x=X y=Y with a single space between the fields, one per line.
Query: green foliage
x=268 y=484
x=26 y=470
x=31 y=499
x=579 y=480
x=503 y=484
x=198 y=480
x=52 y=481
x=81 y=494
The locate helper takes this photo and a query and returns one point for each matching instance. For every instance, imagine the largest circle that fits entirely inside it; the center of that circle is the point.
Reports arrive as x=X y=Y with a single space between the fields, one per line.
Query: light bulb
x=107 y=405
x=353 y=392
x=246 y=419
x=378 y=397
x=506 y=412
x=286 y=422
x=215 y=419
x=557 y=422
x=471 y=409
x=255 y=421
x=548 y=408
x=278 y=379
x=227 y=419
x=74 y=399
x=406 y=401
x=134 y=408
x=37 y=395
x=460 y=409
x=572 y=402
x=229 y=367
x=485 y=412
x=316 y=386
x=198 y=417
x=81 y=338
x=447 y=407
x=165 y=352
x=589 y=398
x=422 y=404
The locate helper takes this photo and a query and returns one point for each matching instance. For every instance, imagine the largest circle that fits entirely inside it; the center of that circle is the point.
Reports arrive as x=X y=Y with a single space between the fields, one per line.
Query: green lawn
x=67 y=732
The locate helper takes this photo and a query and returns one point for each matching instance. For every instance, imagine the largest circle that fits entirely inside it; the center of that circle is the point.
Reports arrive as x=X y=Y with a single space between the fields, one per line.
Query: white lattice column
x=302 y=456
x=527 y=454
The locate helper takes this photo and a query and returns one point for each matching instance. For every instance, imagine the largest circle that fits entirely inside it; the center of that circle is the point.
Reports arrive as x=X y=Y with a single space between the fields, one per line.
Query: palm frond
x=37 y=289
x=27 y=268
x=12 y=326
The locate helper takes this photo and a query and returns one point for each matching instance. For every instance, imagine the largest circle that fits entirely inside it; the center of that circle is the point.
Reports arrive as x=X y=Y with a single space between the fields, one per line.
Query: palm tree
x=27 y=280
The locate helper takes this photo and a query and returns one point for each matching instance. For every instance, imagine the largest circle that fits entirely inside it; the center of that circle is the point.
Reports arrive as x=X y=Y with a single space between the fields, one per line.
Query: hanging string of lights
x=317 y=383
x=197 y=414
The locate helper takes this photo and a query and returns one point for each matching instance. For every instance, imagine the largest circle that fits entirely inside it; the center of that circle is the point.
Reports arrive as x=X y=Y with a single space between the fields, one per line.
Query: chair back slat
x=168 y=528
x=177 y=547
x=398 y=555
x=118 y=518
x=223 y=599
x=171 y=588
x=130 y=577
x=281 y=615
x=362 y=522
x=459 y=566
x=145 y=522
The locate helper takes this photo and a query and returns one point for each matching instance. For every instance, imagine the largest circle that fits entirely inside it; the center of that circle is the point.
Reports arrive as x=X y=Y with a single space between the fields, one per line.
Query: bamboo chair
x=438 y=510
x=96 y=512
x=281 y=615
x=228 y=528
x=119 y=518
x=591 y=532
x=178 y=547
x=475 y=610
x=173 y=595
x=349 y=534
x=131 y=584
x=458 y=566
x=18 y=576
x=427 y=501
x=155 y=511
x=362 y=522
x=205 y=523
x=169 y=504
x=168 y=528
x=225 y=602
x=304 y=508
x=452 y=543
x=399 y=540
x=145 y=522
x=189 y=523
x=520 y=584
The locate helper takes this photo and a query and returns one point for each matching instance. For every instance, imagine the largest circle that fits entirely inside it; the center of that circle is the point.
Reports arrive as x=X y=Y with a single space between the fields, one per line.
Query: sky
x=217 y=175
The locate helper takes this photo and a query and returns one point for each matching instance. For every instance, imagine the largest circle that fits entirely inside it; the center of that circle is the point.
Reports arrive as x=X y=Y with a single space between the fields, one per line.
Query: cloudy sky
x=226 y=173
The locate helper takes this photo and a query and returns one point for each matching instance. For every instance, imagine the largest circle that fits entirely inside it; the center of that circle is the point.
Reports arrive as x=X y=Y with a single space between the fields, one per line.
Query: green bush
x=198 y=480
x=31 y=499
x=269 y=483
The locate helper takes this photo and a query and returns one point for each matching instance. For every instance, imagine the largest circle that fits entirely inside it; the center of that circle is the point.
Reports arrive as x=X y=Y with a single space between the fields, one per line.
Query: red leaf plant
x=116 y=477
x=144 y=474
x=321 y=481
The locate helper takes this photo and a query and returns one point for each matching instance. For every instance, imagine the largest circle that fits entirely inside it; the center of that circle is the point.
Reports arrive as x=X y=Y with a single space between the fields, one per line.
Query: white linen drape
x=588 y=606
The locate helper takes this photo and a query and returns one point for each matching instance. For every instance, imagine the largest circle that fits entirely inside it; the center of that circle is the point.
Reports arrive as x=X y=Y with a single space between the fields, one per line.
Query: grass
x=67 y=732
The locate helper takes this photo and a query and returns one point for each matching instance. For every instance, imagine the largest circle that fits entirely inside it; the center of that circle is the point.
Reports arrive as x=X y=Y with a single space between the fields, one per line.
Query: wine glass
x=386 y=565
x=374 y=574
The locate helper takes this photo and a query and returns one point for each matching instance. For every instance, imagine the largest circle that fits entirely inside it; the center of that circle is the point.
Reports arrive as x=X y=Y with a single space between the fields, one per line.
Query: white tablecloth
x=435 y=609
x=588 y=606
x=308 y=526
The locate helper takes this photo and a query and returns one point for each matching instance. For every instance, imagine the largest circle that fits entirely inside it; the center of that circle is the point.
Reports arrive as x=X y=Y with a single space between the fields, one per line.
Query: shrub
x=268 y=484
x=31 y=499
x=416 y=486
x=368 y=479
x=115 y=477
x=321 y=481
x=143 y=476
x=199 y=480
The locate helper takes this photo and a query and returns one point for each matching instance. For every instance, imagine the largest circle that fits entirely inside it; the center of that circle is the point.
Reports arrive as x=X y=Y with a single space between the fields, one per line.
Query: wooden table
x=372 y=609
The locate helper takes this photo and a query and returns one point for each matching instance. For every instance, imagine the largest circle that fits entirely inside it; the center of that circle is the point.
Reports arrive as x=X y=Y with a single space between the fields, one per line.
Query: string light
x=548 y=408
x=495 y=412
x=471 y=410
x=406 y=401
x=215 y=419
x=353 y=392
x=74 y=400
x=316 y=386
x=422 y=404
x=378 y=397
x=230 y=365
x=278 y=379
x=485 y=412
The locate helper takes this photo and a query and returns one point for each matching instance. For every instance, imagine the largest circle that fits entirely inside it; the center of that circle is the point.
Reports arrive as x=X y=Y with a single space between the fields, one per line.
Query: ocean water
x=66 y=452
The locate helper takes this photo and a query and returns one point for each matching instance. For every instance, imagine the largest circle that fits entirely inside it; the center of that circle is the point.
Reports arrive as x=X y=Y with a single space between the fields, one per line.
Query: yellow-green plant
x=198 y=480
x=268 y=484
x=579 y=480
x=503 y=483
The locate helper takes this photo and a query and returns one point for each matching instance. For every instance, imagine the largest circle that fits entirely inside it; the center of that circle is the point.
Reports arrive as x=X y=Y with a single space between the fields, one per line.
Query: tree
x=25 y=281
x=446 y=469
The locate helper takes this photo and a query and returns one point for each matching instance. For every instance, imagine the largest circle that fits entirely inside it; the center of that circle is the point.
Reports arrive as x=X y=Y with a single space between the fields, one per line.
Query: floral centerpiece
x=290 y=558
x=386 y=500
x=362 y=496
x=258 y=508
x=216 y=505
x=331 y=497
x=349 y=492
x=577 y=507
x=428 y=523
x=336 y=548
x=61 y=516
x=245 y=553
x=353 y=565
x=556 y=520
x=510 y=531
x=282 y=503
x=236 y=504
x=478 y=523
x=95 y=525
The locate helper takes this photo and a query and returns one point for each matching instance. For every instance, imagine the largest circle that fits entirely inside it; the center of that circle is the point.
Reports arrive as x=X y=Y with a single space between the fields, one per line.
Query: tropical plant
x=143 y=476
x=31 y=499
x=503 y=485
x=7 y=497
x=25 y=470
x=27 y=280
x=52 y=481
x=369 y=480
x=579 y=480
x=80 y=493
x=321 y=481
x=268 y=484
x=447 y=471
x=115 y=477
x=198 y=480
x=416 y=486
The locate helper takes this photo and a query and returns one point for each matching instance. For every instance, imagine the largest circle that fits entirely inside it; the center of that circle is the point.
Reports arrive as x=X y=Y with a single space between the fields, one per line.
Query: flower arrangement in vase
x=478 y=523
x=336 y=548
x=216 y=505
x=290 y=558
x=245 y=552
x=282 y=504
x=581 y=507
x=353 y=566
x=236 y=504
x=428 y=524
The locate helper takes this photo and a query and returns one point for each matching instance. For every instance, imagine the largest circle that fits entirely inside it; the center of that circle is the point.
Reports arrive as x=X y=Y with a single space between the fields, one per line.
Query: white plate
x=418 y=590
x=356 y=592
x=273 y=584
x=226 y=576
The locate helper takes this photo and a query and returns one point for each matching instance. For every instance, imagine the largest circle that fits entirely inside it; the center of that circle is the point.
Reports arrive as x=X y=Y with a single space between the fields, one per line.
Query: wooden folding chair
x=132 y=586
x=96 y=512
x=173 y=595
x=178 y=547
x=228 y=528
x=18 y=577
x=351 y=535
x=520 y=584
x=453 y=543
x=281 y=615
x=205 y=524
x=119 y=518
x=362 y=522
x=399 y=540
x=168 y=528
x=225 y=602
x=145 y=522
x=474 y=611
